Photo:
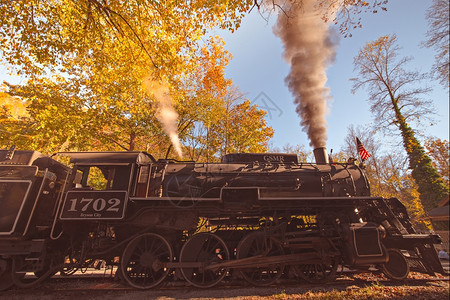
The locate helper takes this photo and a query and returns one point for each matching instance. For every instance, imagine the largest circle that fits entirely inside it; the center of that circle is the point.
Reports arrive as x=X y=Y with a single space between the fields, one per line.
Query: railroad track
x=104 y=281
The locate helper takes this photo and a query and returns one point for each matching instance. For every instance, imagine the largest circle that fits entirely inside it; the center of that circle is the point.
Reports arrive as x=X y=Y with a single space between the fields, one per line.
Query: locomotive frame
x=260 y=217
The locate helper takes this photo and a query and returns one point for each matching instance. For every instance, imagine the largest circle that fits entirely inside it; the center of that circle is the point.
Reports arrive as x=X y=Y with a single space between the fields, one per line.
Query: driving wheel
x=206 y=249
x=142 y=262
x=20 y=268
x=255 y=244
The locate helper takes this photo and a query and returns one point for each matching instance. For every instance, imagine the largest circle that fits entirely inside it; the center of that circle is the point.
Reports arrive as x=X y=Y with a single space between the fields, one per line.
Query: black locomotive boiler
x=262 y=217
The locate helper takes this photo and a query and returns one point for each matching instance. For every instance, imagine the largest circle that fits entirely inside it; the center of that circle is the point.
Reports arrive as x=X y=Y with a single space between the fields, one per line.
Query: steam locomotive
x=260 y=216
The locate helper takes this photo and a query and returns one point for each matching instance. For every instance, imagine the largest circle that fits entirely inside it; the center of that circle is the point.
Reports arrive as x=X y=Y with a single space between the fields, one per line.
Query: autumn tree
x=240 y=127
x=42 y=37
x=438 y=38
x=395 y=98
x=221 y=119
x=243 y=129
x=105 y=50
x=104 y=112
x=14 y=122
x=57 y=118
x=438 y=150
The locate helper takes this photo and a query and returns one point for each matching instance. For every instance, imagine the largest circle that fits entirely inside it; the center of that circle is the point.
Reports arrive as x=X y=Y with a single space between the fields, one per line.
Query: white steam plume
x=309 y=48
x=165 y=114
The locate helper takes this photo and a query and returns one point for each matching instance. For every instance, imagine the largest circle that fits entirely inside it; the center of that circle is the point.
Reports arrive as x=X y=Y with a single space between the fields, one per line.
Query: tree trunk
x=132 y=141
x=430 y=183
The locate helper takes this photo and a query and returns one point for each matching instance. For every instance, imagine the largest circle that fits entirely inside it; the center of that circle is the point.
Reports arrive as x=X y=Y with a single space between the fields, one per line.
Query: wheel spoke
x=203 y=248
x=258 y=243
x=139 y=257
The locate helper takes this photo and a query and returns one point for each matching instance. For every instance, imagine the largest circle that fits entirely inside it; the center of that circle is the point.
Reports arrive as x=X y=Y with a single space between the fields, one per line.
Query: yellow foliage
x=14 y=107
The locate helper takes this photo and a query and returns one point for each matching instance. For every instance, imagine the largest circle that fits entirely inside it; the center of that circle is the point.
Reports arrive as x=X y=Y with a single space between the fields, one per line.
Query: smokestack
x=321 y=155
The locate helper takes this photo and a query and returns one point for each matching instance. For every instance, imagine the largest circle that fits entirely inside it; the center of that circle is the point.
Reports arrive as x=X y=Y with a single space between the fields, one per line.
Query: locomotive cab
x=101 y=184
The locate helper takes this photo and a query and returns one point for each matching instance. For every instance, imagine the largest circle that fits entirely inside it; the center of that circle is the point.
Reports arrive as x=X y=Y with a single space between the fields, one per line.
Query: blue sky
x=258 y=69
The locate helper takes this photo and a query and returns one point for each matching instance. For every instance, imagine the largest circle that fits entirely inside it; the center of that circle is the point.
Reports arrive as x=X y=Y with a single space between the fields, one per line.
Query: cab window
x=103 y=177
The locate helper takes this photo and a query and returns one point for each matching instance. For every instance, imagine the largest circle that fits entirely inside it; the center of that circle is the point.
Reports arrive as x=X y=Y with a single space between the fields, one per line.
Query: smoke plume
x=309 y=48
x=165 y=114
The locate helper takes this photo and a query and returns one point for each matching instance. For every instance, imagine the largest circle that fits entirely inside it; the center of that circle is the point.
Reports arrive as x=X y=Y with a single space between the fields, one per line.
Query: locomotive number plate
x=94 y=205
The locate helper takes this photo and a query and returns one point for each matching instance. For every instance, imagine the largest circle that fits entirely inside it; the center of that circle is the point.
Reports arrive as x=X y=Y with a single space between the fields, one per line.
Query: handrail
x=58 y=208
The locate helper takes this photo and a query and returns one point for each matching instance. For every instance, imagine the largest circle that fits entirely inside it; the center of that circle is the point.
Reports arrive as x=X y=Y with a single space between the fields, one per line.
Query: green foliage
x=430 y=184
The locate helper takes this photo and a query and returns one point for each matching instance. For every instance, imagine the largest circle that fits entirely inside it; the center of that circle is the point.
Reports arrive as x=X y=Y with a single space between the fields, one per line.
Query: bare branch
x=108 y=12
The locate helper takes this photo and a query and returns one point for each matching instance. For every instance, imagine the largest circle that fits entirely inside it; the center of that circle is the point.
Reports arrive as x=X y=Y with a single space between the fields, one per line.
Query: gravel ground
x=360 y=286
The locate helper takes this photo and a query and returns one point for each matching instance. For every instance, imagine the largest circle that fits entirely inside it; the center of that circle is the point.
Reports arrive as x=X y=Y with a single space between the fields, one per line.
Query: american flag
x=361 y=150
